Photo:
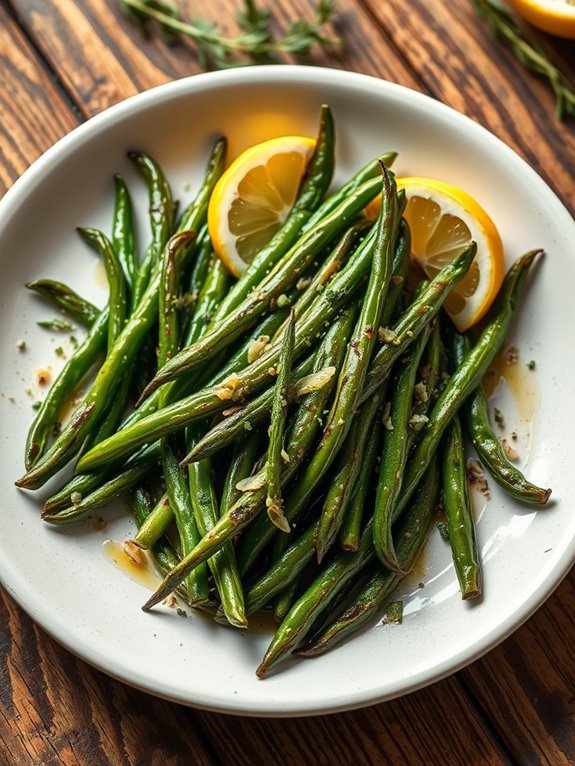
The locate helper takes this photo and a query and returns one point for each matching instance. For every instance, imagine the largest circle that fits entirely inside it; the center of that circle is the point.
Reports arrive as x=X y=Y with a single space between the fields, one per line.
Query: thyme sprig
x=503 y=26
x=254 y=45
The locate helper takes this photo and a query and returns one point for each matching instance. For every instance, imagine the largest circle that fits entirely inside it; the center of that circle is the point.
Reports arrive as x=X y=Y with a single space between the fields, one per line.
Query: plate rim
x=152 y=98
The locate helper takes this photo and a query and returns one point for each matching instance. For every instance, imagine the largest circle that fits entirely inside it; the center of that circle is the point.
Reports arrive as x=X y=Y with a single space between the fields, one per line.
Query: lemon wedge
x=554 y=16
x=443 y=220
x=254 y=196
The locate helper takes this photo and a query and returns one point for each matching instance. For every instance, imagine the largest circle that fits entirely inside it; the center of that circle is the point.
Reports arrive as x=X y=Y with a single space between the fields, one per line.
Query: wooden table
x=62 y=62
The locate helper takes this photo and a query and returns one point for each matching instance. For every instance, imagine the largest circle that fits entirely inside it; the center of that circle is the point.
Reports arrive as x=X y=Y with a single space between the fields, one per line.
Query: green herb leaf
x=254 y=45
x=56 y=324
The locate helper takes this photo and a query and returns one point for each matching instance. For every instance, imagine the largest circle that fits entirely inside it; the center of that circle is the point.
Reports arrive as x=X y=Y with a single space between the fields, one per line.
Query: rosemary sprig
x=254 y=45
x=503 y=26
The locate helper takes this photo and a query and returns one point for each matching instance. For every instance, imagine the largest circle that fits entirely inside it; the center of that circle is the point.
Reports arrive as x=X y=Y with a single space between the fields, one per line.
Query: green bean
x=199 y=271
x=155 y=524
x=417 y=315
x=354 y=370
x=214 y=287
x=161 y=208
x=134 y=471
x=76 y=367
x=314 y=185
x=127 y=345
x=238 y=361
x=168 y=316
x=201 y=492
x=348 y=466
x=212 y=400
x=112 y=418
x=275 y=459
x=194 y=216
x=180 y=504
x=115 y=366
x=163 y=555
x=459 y=514
x=123 y=236
x=285 y=274
x=223 y=563
x=351 y=529
x=252 y=414
x=488 y=446
x=84 y=312
x=282 y=572
x=426 y=388
x=394 y=453
x=180 y=501
x=410 y=539
x=333 y=263
x=198 y=502
x=118 y=299
x=208 y=401
x=81 y=483
x=251 y=503
x=284 y=600
x=240 y=467
x=243 y=459
x=401 y=261
x=316 y=600
x=371 y=170
x=469 y=373
x=305 y=426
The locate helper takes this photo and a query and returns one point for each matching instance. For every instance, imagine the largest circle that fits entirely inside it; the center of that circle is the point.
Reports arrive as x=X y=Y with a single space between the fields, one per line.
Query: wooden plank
x=526 y=686
x=34 y=112
x=478 y=77
x=57 y=711
x=102 y=58
x=436 y=725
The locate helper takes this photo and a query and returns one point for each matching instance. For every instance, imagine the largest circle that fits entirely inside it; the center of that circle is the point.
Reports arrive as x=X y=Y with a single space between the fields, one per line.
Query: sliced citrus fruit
x=443 y=220
x=254 y=196
x=554 y=16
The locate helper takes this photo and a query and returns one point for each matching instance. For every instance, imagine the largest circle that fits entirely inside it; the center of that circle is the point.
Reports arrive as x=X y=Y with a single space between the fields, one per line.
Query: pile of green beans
x=323 y=387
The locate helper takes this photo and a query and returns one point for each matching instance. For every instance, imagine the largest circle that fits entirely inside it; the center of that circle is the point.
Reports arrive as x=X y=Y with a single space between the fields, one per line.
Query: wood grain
x=56 y=710
x=34 y=112
x=434 y=726
x=107 y=59
x=526 y=687
x=476 y=76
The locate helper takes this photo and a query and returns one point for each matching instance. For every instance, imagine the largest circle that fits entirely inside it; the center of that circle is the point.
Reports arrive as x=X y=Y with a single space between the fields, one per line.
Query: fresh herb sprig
x=503 y=26
x=254 y=45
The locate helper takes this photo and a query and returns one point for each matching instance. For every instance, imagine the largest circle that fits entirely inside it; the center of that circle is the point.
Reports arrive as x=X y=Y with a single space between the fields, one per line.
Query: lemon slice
x=554 y=16
x=254 y=196
x=443 y=220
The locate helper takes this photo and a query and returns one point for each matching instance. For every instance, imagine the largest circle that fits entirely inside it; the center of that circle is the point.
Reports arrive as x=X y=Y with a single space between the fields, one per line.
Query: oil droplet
x=100 y=277
x=262 y=622
x=142 y=573
x=510 y=381
x=412 y=581
x=70 y=405
x=510 y=371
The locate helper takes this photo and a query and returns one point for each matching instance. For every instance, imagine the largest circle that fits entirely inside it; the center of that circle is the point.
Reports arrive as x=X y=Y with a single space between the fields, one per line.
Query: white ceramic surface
x=61 y=577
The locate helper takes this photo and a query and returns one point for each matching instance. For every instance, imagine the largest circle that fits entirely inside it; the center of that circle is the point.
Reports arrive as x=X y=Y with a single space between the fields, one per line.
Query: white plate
x=61 y=577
